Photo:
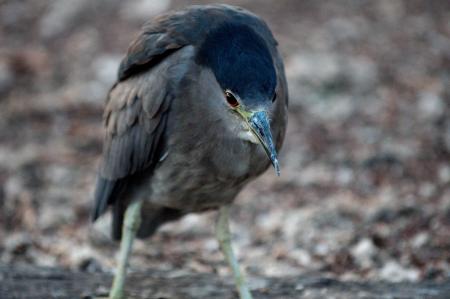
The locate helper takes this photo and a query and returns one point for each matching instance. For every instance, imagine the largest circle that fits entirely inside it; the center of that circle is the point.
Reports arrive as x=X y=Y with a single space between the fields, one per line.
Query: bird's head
x=243 y=66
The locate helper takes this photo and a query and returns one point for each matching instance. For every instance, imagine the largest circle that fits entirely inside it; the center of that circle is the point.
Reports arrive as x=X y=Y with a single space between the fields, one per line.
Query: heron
x=199 y=109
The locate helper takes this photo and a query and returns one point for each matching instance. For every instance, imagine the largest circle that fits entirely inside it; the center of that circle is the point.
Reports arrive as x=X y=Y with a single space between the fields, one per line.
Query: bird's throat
x=248 y=136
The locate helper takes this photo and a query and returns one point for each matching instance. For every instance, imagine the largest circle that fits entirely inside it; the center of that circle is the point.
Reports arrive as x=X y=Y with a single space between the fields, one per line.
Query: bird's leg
x=224 y=238
x=129 y=229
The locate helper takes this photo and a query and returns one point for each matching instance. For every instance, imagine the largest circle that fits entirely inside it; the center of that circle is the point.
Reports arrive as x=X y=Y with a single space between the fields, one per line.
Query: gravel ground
x=365 y=187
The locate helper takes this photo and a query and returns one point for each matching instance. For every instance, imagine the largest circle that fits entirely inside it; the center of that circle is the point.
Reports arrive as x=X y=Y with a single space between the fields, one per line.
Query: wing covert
x=135 y=120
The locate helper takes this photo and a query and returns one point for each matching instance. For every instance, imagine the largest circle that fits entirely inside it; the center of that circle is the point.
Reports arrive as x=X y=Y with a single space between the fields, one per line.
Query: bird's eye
x=274 y=97
x=231 y=99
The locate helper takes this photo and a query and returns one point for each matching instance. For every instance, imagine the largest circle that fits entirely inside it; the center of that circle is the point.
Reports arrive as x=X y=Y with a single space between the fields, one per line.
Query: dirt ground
x=364 y=192
x=33 y=282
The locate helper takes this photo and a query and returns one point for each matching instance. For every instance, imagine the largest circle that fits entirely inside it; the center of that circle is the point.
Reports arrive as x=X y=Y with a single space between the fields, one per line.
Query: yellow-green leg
x=129 y=229
x=224 y=238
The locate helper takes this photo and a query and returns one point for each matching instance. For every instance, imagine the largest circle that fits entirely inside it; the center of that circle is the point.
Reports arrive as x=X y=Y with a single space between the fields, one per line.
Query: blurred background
x=365 y=185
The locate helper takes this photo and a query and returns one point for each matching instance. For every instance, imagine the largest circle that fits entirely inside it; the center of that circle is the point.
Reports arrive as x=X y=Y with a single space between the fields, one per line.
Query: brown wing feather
x=134 y=119
x=130 y=127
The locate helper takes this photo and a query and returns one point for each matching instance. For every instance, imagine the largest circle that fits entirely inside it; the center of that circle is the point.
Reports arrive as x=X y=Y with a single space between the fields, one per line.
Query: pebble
x=394 y=272
x=420 y=239
x=444 y=174
x=431 y=106
x=364 y=251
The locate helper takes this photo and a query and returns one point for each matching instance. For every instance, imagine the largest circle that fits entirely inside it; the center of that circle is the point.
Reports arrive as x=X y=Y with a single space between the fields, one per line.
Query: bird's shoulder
x=169 y=32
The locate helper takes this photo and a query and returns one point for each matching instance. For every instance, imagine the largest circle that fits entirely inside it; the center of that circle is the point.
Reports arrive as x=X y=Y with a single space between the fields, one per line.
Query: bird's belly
x=192 y=193
x=203 y=183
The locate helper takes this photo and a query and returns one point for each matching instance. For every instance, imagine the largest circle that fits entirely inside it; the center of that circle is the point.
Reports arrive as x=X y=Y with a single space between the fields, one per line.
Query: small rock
x=301 y=256
x=427 y=190
x=270 y=221
x=444 y=174
x=394 y=272
x=322 y=249
x=344 y=176
x=279 y=269
x=420 y=239
x=430 y=105
x=364 y=251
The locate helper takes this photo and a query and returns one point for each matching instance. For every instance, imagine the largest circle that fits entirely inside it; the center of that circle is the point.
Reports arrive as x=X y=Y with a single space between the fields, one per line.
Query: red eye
x=231 y=99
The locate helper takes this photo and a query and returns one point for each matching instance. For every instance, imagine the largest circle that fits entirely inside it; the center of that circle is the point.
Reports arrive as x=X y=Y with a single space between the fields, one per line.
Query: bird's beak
x=259 y=125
